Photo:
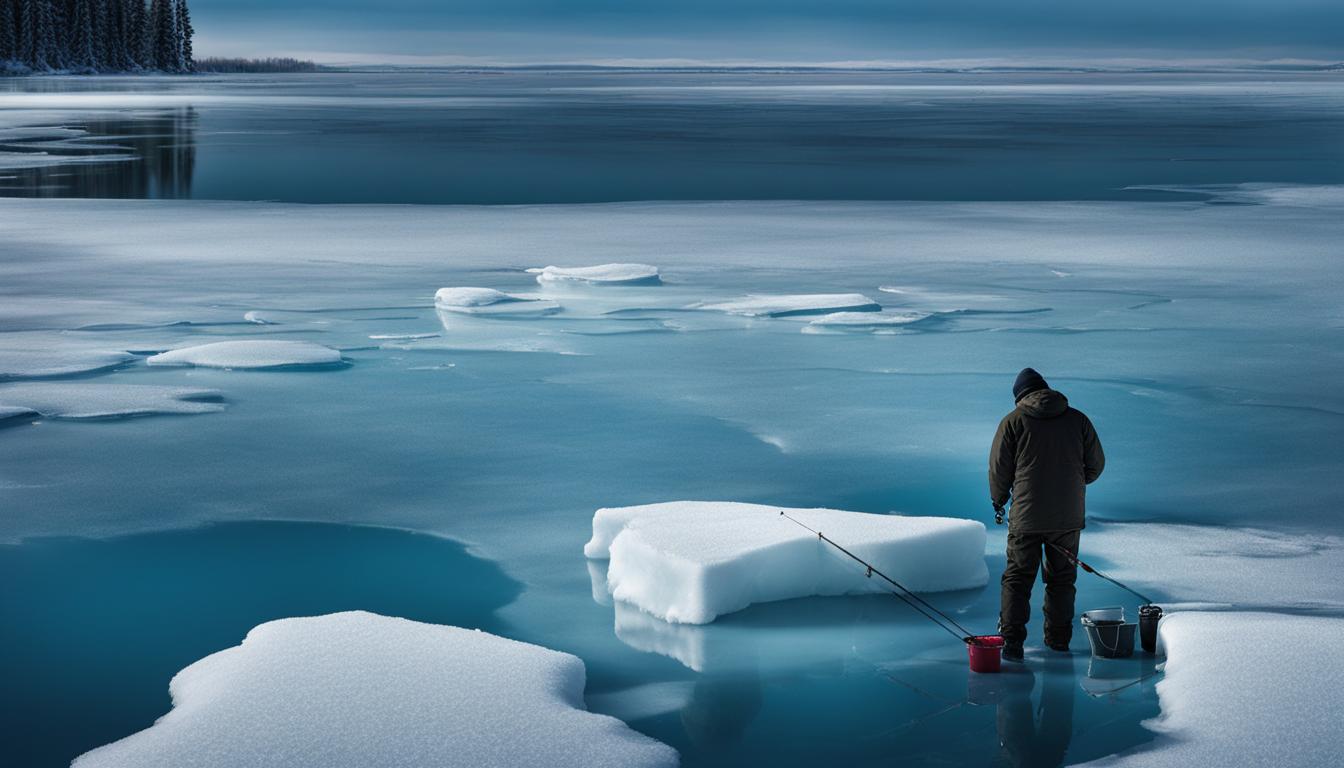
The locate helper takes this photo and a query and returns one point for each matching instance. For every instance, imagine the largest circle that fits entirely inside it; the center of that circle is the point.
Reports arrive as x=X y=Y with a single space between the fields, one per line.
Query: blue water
x=1199 y=327
x=446 y=137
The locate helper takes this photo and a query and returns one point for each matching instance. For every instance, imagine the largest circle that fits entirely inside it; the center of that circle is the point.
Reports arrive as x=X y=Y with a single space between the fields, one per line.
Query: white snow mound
x=602 y=274
x=786 y=305
x=356 y=689
x=1246 y=689
x=692 y=561
x=488 y=301
x=254 y=354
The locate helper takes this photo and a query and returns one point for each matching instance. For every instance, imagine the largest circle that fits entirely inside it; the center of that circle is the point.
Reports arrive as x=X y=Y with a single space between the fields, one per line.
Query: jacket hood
x=1044 y=404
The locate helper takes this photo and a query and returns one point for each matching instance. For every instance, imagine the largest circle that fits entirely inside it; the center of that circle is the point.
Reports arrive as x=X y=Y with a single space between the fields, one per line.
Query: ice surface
x=11 y=415
x=1228 y=565
x=357 y=689
x=34 y=355
x=490 y=302
x=254 y=354
x=692 y=561
x=602 y=274
x=786 y=305
x=1246 y=689
x=101 y=400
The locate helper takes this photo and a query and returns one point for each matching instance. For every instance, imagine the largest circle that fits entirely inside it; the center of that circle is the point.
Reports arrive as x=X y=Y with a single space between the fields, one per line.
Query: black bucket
x=1110 y=637
x=1149 y=615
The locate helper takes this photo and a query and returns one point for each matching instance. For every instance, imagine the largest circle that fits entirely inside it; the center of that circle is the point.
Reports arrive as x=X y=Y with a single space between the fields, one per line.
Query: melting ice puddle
x=117 y=618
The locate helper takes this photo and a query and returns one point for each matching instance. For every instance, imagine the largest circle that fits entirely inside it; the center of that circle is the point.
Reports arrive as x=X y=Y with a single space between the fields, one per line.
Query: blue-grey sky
x=771 y=31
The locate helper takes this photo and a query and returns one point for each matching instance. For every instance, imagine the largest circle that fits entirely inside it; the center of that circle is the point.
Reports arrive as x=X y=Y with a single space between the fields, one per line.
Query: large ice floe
x=357 y=689
x=787 y=305
x=252 y=354
x=100 y=400
x=692 y=561
x=34 y=355
x=601 y=274
x=492 y=303
x=1246 y=689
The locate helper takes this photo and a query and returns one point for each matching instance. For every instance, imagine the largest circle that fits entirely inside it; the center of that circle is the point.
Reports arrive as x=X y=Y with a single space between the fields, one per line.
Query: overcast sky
x=534 y=31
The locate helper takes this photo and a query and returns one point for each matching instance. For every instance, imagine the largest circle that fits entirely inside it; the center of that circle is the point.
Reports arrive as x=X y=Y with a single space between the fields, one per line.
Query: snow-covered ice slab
x=692 y=561
x=252 y=354
x=601 y=274
x=865 y=322
x=490 y=302
x=356 y=689
x=1246 y=689
x=45 y=355
x=99 y=400
x=786 y=305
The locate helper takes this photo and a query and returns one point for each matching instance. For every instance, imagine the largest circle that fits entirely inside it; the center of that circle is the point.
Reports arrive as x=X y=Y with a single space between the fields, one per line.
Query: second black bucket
x=1149 y=615
x=1109 y=634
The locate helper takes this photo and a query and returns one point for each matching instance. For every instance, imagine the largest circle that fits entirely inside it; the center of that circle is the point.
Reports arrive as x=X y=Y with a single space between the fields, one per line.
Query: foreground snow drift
x=602 y=274
x=254 y=354
x=1246 y=689
x=692 y=561
x=356 y=689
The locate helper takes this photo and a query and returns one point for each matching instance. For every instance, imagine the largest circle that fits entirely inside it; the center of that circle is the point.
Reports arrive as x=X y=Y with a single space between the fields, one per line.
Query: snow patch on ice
x=865 y=322
x=1245 y=689
x=401 y=336
x=99 y=400
x=692 y=561
x=251 y=354
x=787 y=305
x=1246 y=567
x=253 y=316
x=356 y=689
x=42 y=356
x=488 y=301
x=601 y=274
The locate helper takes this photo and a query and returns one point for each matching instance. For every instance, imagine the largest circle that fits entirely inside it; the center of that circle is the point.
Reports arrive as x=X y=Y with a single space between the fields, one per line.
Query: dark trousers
x=1025 y=552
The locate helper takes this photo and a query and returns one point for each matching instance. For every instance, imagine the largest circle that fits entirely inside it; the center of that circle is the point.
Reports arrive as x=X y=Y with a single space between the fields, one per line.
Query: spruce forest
x=91 y=36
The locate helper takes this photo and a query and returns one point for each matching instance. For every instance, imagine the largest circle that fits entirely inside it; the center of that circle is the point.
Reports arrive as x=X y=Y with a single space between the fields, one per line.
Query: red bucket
x=986 y=653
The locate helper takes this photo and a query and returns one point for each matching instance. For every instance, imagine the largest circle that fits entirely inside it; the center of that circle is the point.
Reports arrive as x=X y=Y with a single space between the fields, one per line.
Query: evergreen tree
x=9 y=31
x=82 y=55
x=184 y=34
x=137 y=33
x=164 y=35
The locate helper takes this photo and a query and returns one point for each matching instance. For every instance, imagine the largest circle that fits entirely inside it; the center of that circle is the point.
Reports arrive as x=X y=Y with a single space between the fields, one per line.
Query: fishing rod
x=1073 y=558
x=1076 y=561
x=908 y=597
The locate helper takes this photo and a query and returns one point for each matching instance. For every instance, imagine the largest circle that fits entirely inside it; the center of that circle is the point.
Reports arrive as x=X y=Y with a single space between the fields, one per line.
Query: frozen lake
x=157 y=512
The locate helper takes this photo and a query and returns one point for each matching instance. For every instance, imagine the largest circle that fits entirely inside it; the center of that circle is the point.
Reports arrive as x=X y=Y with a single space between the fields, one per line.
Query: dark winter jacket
x=1044 y=455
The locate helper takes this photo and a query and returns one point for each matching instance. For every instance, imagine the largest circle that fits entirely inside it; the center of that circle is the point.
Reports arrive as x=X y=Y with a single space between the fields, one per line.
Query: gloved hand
x=998 y=514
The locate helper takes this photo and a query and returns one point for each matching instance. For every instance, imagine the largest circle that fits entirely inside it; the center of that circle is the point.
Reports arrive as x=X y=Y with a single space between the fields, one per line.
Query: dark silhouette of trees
x=87 y=36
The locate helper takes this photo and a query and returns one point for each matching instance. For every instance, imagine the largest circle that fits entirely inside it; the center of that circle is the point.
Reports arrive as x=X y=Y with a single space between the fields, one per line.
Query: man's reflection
x=721 y=708
x=1038 y=737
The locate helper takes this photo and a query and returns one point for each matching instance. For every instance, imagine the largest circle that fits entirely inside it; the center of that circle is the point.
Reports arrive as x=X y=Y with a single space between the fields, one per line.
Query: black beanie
x=1027 y=381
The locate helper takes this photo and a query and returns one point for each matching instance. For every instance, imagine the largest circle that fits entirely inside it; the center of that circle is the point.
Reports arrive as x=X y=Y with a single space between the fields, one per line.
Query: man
x=1044 y=455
